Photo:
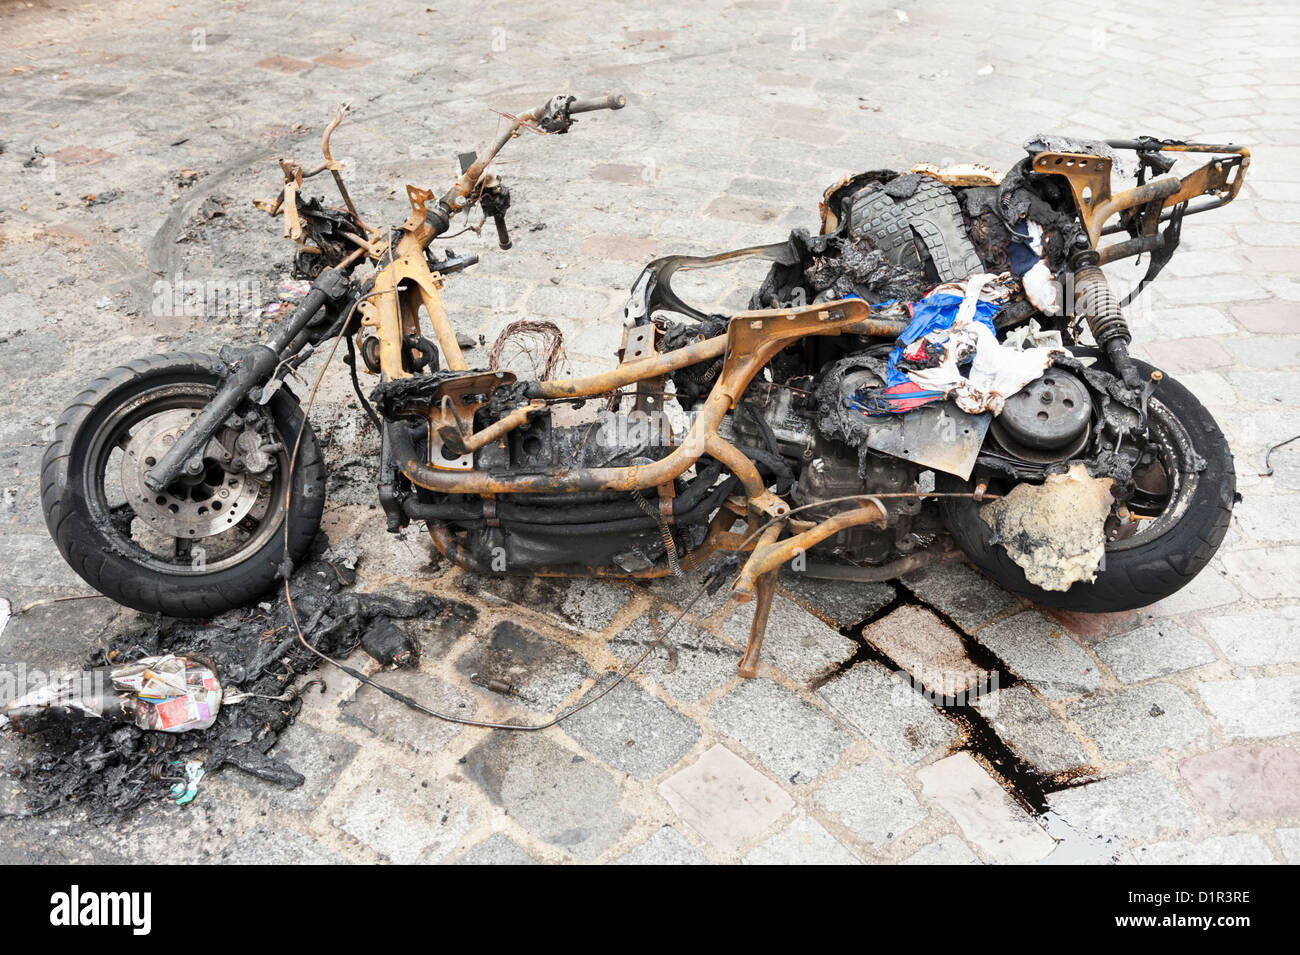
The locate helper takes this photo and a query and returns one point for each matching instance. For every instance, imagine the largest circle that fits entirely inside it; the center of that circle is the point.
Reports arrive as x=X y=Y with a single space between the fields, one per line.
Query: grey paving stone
x=1290 y=841
x=791 y=737
x=405 y=816
x=438 y=633
x=690 y=663
x=54 y=638
x=803 y=842
x=1031 y=730
x=1210 y=588
x=666 y=847
x=390 y=720
x=947 y=850
x=1141 y=722
x=886 y=709
x=1242 y=849
x=873 y=802
x=1157 y=649
x=1259 y=638
x=987 y=815
x=1138 y=805
x=1042 y=653
x=961 y=593
x=590 y=605
x=279 y=846
x=554 y=793
x=323 y=758
x=634 y=732
x=578 y=605
x=544 y=671
x=679 y=591
x=1255 y=708
x=840 y=603
x=1237 y=82
x=496 y=849
x=796 y=641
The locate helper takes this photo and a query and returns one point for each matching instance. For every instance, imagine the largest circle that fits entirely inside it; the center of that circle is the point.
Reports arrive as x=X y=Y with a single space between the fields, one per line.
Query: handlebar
x=612 y=101
x=553 y=116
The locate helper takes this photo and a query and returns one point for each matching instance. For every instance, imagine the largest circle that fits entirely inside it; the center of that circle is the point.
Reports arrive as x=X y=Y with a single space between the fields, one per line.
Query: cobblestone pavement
x=1164 y=735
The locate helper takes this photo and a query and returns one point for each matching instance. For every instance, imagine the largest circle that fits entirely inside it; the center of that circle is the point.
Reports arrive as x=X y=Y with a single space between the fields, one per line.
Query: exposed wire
x=1268 y=468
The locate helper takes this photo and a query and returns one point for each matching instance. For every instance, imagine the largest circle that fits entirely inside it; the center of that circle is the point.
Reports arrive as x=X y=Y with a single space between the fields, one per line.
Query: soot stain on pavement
x=111 y=769
x=1027 y=785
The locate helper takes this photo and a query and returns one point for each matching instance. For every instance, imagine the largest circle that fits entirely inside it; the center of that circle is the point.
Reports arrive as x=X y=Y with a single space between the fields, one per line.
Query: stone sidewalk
x=1165 y=735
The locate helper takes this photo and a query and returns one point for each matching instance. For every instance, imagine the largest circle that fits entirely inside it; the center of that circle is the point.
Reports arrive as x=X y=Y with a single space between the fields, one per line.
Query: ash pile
x=168 y=701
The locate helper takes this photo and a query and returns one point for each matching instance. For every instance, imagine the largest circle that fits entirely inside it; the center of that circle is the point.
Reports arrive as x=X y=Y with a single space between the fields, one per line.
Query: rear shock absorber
x=1094 y=298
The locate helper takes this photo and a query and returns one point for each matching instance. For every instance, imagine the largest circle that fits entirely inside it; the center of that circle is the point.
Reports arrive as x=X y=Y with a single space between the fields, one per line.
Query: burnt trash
x=169 y=693
x=112 y=766
x=389 y=644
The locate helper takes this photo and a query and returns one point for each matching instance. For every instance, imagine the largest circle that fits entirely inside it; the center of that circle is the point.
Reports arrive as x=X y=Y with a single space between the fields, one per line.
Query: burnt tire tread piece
x=875 y=215
x=936 y=217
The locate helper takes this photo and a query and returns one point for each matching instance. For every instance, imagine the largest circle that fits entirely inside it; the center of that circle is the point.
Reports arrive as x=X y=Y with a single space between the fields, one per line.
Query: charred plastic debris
x=166 y=703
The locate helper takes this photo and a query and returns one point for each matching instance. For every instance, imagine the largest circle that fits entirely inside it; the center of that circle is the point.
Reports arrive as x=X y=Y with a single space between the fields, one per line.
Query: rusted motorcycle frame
x=381 y=316
x=751 y=340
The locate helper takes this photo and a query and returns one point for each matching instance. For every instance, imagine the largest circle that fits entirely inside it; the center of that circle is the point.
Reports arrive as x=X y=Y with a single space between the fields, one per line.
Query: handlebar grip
x=612 y=101
x=503 y=236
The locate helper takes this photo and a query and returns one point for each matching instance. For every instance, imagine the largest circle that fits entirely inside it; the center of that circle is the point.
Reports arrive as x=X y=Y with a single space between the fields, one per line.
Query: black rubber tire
x=1138 y=576
x=98 y=559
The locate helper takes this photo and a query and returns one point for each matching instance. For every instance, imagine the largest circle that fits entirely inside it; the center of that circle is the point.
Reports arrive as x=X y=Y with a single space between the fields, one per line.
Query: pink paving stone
x=740 y=210
x=927 y=648
x=783 y=79
x=283 y=64
x=649 y=36
x=1264 y=573
x=624 y=248
x=342 y=61
x=80 y=155
x=1245 y=782
x=1189 y=354
x=1271 y=260
x=617 y=172
x=1092 y=628
x=1269 y=318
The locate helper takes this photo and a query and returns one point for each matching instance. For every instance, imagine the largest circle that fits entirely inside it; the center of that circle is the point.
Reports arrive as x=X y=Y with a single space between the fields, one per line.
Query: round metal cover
x=191 y=509
x=1049 y=412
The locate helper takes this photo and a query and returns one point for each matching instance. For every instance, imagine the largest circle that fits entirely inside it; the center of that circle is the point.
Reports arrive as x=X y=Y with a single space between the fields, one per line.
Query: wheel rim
x=192 y=528
x=1158 y=514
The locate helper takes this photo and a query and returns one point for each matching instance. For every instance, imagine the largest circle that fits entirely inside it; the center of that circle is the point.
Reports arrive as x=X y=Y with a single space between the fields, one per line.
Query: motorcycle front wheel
x=1180 y=529
x=210 y=542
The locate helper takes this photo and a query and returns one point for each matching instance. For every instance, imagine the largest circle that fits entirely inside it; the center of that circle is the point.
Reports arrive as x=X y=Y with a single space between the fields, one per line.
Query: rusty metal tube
x=630 y=372
x=452 y=356
x=739 y=465
x=632 y=478
x=634 y=371
x=498 y=428
x=770 y=556
x=1161 y=188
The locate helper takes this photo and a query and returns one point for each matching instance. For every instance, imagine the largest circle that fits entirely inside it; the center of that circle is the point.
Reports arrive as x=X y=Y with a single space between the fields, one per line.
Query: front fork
x=253 y=369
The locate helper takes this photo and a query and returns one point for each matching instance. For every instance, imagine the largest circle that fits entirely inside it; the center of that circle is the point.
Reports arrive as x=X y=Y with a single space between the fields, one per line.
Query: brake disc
x=203 y=506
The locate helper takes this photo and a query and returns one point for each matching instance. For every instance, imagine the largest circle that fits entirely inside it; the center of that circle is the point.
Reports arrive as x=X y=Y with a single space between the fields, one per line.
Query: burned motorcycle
x=918 y=371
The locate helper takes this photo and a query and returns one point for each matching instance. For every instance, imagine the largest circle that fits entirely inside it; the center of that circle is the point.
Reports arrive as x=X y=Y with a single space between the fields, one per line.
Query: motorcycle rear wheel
x=1143 y=569
x=211 y=542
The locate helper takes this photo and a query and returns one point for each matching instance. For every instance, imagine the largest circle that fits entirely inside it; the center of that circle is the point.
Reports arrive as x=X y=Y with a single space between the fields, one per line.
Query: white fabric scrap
x=1040 y=287
x=997 y=372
